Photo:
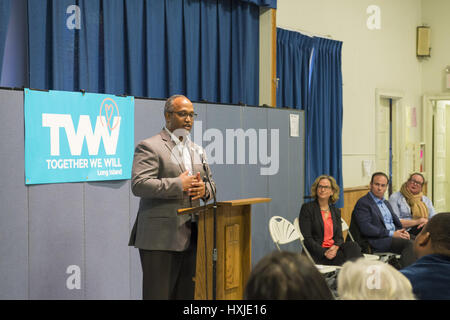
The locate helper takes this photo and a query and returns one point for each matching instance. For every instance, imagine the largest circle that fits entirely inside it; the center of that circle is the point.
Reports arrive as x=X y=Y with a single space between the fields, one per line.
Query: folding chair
x=282 y=231
x=322 y=268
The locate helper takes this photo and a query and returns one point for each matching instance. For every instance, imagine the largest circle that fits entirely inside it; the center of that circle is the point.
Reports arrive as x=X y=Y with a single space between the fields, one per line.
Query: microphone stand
x=214 y=253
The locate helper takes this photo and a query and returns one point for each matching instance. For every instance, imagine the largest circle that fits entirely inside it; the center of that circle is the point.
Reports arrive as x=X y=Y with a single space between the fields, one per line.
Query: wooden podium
x=233 y=242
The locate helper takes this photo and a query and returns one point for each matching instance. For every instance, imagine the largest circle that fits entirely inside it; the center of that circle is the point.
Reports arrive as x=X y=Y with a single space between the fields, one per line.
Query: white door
x=382 y=132
x=439 y=163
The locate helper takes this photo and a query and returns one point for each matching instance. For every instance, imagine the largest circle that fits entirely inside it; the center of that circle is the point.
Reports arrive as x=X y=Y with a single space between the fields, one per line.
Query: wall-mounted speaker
x=423 y=41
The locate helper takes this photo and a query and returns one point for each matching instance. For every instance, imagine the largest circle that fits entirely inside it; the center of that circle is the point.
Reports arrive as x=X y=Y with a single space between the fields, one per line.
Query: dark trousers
x=405 y=248
x=348 y=251
x=168 y=275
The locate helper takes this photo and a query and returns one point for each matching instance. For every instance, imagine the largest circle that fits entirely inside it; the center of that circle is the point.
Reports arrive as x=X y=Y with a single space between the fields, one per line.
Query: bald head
x=435 y=236
x=439 y=229
x=170 y=102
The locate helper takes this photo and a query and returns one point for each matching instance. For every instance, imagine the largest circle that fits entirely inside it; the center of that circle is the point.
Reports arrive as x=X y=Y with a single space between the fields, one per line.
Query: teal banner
x=77 y=137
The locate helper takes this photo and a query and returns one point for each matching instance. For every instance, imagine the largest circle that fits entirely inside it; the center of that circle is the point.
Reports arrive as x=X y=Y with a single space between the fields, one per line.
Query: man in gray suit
x=168 y=172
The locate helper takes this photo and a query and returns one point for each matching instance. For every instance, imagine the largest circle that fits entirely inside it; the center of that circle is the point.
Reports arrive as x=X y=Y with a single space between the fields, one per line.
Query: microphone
x=206 y=179
x=198 y=151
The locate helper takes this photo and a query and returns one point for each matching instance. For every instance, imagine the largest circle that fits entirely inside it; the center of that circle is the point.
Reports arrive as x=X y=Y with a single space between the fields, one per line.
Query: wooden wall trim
x=353 y=189
x=351 y=196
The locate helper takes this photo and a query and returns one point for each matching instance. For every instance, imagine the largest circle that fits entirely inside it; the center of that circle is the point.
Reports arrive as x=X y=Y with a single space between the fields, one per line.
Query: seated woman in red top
x=320 y=224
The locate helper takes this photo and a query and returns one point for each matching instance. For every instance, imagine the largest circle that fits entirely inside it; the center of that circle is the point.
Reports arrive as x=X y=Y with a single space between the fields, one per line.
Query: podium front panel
x=233 y=242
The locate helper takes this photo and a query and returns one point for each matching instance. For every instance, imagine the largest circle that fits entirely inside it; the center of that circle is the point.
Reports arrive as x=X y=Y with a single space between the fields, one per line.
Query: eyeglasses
x=183 y=114
x=416 y=182
x=324 y=187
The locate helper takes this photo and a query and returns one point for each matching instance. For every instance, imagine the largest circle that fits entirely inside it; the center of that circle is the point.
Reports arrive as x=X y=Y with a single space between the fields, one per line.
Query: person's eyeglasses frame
x=417 y=183
x=184 y=115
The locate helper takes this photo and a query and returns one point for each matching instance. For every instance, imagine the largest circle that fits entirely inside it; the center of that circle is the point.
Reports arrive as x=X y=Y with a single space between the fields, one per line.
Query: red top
x=328 y=230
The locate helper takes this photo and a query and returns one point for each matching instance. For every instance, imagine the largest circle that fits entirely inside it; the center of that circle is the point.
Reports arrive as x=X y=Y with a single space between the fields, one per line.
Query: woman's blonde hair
x=372 y=280
x=334 y=186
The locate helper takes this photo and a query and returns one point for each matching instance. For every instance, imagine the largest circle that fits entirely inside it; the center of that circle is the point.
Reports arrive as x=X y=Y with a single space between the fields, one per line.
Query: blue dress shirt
x=387 y=215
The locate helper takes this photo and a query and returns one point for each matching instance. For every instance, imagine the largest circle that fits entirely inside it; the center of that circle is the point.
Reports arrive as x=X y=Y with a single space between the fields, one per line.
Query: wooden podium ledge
x=243 y=202
x=232 y=203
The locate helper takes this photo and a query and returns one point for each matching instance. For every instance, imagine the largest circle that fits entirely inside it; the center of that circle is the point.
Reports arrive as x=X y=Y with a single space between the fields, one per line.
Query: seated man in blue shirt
x=430 y=274
x=378 y=224
x=411 y=206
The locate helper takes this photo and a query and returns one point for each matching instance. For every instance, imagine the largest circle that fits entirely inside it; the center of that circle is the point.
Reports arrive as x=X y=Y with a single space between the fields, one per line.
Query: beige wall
x=435 y=14
x=371 y=59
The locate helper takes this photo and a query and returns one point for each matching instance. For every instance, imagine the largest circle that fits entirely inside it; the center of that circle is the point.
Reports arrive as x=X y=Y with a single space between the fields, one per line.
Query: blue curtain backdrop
x=310 y=76
x=293 y=58
x=5 y=6
x=263 y=3
x=324 y=112
x=205 y=49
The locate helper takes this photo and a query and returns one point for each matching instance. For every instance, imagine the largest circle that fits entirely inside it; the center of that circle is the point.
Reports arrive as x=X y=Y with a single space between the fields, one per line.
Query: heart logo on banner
x=107 y=108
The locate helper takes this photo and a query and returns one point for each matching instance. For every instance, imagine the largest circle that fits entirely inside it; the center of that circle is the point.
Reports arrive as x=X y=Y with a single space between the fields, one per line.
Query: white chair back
x=282 y=231
x=297 y=228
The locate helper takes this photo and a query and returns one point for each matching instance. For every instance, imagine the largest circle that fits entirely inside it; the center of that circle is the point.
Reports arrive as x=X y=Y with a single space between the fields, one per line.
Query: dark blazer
x=155 y=180
x=311 y=226
x=371 y=225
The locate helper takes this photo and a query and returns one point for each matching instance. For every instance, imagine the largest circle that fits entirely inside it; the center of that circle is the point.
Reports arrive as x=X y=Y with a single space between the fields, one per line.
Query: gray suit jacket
x=155 y=180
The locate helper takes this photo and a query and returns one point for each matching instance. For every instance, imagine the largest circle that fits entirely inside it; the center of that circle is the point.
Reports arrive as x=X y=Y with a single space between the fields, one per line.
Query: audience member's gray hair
x=372 y=280
x=168 y=107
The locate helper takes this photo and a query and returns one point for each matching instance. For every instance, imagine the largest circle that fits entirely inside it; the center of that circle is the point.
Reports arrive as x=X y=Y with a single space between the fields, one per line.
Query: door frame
x=398 y=129
x=427 y=134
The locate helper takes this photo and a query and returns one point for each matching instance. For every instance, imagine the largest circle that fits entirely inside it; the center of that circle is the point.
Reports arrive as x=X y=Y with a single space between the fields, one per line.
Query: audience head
x=434 y=237
x=372 y=280
x=325 y=185
x=378 y=184
x=286 y=276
